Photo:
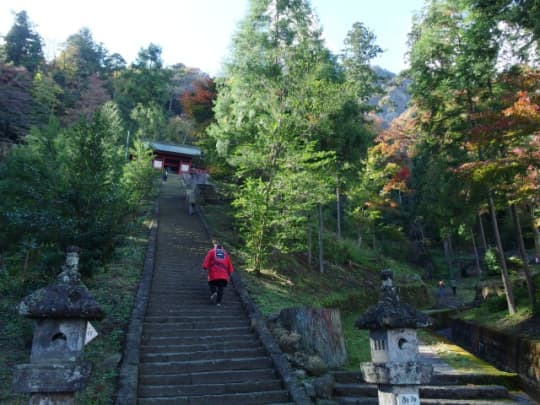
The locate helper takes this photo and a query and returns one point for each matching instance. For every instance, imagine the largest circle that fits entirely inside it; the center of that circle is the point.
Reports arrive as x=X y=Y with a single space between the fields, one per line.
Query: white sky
x=198 y=33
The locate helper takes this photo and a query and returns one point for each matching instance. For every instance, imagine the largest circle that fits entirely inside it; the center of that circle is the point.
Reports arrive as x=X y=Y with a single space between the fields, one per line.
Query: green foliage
x=23 y=46
x=81 y=57
x=360 y=50
x=286 y=123
x=145 y=87
x=46 y=93
x=494 y=314
x=149 y=120
x=139 y=177
x=356 y=340
x=492 y=261
x=68 y=186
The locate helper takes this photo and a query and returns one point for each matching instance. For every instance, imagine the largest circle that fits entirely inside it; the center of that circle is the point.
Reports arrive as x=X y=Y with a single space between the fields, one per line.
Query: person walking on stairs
x=190 y=198
x=219 y=267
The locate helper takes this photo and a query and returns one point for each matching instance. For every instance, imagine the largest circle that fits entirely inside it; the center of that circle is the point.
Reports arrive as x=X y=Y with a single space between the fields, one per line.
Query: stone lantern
x=394 y=347
x=62 y=312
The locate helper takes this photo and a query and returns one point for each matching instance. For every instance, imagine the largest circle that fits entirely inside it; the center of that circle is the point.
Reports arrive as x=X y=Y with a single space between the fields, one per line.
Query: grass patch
x=356 y=341
x=465 y=362
x=455 y=356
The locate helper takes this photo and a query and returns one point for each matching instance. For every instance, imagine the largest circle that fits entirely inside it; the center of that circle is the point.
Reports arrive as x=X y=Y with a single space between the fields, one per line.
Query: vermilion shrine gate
x=176 y=158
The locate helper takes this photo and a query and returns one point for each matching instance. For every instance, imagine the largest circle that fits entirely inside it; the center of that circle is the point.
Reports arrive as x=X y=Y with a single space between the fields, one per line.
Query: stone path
x=193 y=352
x=428 y=355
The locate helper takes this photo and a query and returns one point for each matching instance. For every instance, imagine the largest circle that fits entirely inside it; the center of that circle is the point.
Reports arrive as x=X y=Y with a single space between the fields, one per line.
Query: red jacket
x=218 y=264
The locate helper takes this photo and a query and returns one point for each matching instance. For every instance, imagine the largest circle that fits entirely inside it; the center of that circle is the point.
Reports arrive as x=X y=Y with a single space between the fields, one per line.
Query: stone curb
x=297 y=393
x=129 y=369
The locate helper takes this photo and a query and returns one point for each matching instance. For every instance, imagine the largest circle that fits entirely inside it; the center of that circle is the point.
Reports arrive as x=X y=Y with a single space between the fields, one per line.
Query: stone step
x=202 y=355
x=206 y=310
x=210 y=377
x=252 y=398
x=203 y=307
x=426 y=401
x=200 y=298
x=492 y=401
x=197 y=324
x=209 y=389
x=163 y=320
x=180 y=298
x=355 y=390
x=347 y=377
x=507 y=380
x=464 y=392
x=446 y=392
x=185 y=292
x=356 y=401
x=178 y=279
x=197 y=345
x=190 y=340
x=154 y=333
x=180 y=367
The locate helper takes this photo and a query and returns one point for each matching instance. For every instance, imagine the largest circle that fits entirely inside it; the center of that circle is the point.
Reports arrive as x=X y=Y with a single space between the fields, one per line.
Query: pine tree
x=23 y=46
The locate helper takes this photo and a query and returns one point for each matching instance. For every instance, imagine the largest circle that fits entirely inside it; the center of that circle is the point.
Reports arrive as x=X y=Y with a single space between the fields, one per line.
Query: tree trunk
x=476 y=255
x=321 y=256
x=482 y=232
x=536 y=232
x=310 y=241
x=338 y=208
x=447 y=244
x=26 y=263
x=504 y=270
x=523 y=254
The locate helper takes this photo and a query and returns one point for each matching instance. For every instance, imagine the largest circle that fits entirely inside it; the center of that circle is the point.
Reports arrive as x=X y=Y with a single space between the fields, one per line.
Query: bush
x=496 y=303
x=492 y=262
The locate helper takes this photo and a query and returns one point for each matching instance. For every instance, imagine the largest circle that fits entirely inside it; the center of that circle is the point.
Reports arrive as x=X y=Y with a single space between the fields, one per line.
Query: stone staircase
x=444 y=389
x=193 y=352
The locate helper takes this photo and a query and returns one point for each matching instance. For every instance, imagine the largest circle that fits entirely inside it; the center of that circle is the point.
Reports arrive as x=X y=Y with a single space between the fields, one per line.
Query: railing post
x=62 y=312
x=394 y=347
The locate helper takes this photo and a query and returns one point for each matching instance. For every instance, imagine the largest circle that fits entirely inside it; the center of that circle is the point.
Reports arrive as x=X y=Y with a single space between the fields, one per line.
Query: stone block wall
x=506 y=352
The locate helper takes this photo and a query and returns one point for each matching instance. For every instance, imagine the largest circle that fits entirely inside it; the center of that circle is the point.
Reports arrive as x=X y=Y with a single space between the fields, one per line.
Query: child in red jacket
x=219 y=266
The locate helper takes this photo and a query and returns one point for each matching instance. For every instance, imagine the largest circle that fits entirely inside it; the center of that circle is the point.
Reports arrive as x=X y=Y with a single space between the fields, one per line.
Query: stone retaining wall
x=507 y=352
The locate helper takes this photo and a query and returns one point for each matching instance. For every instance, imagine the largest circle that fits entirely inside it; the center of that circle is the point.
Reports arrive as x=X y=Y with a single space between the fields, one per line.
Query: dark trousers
x=217 y=286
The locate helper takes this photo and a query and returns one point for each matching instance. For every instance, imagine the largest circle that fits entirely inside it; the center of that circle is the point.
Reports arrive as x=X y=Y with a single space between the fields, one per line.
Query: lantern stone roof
x=178 y=149
x=67 y=297
x=390 y=313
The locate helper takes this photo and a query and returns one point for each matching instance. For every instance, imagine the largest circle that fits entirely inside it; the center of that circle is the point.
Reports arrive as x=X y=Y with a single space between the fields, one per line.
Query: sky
x=198 y=33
